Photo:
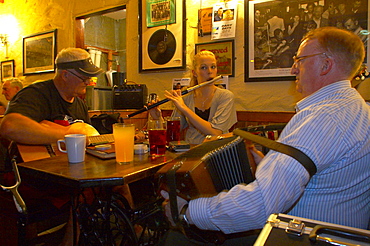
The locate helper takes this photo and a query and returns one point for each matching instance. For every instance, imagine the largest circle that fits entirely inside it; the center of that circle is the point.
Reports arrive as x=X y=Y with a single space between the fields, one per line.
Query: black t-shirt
x=42 y=101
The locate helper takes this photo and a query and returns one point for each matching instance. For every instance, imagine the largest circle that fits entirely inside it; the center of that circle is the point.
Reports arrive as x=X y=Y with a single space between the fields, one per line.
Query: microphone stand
x=184 y=92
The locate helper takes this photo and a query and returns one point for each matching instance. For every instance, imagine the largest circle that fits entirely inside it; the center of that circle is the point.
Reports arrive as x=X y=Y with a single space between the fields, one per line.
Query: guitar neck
x=100 y=139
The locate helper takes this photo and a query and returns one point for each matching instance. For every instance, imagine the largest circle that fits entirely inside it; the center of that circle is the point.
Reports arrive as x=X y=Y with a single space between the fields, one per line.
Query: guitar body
x=27 y=153
x=37 y=152
x=83 y=127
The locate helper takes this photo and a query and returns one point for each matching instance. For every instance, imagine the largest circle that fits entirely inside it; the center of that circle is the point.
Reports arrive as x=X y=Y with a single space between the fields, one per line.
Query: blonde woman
x=208 y=110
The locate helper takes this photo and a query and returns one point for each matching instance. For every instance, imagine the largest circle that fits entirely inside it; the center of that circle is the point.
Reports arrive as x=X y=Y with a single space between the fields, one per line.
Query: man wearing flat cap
x=55 y=100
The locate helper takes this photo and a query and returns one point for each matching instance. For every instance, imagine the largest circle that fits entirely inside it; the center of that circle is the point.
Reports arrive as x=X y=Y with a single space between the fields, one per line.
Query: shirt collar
x=321 y=94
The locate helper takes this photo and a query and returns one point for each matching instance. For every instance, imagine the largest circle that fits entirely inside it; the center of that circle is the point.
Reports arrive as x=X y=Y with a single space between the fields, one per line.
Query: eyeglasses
x=82 y=79
x=297 y=59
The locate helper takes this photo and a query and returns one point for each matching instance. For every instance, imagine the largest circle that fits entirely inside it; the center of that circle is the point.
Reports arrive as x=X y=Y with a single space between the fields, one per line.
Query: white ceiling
x=117 y=15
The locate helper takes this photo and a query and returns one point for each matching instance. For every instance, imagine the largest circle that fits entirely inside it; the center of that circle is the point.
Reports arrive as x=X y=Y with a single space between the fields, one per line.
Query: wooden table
x=104 y=174
x=94 y=171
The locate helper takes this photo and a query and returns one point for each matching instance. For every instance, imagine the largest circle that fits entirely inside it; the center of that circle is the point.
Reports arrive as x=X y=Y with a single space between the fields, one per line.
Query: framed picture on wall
x=274 y=30
x=160 y=12
x=224 y=52
x=7 y=69
x=162 y=48
x=205 y=21
x=39 y=52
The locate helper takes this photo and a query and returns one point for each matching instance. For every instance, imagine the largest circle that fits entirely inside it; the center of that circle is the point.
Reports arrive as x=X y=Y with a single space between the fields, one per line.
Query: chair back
x=19 y=203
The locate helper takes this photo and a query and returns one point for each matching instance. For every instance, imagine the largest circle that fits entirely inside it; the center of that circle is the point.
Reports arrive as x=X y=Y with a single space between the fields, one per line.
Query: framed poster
x=160 y=12
x=271 y=46
x=162 y=48
x=224 y=52
x=7 y=69
x=205 y=21
x=39 y=52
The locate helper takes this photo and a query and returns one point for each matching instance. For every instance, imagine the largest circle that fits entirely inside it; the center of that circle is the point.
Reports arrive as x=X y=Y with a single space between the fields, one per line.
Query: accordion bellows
x=208 y=168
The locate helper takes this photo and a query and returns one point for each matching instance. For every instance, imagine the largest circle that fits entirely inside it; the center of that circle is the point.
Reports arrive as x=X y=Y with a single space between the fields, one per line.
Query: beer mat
x=100 y=152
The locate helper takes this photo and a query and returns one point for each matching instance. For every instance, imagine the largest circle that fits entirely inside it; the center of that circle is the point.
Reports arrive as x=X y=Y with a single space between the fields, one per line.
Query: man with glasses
x=331 y=126
x=55 y=100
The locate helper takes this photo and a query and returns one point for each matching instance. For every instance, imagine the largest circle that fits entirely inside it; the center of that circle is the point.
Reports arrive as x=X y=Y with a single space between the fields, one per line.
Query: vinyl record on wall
x=158 y=52
x=161 y=46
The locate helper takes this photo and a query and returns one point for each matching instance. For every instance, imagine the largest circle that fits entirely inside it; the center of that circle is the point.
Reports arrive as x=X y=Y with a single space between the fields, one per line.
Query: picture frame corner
x=144 y=30
x=280 y=74
x=35 y=41
x=231 y=56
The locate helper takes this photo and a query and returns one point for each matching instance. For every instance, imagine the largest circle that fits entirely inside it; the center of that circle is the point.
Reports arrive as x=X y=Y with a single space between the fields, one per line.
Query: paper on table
x=103 y=154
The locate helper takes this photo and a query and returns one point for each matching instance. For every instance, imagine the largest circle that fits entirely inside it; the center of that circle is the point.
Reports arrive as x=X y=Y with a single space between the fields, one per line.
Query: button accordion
x=211 y=167
x=208 y=168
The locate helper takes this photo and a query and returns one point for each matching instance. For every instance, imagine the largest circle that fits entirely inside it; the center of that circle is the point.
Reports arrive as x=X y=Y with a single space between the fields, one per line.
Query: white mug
x=75 y=147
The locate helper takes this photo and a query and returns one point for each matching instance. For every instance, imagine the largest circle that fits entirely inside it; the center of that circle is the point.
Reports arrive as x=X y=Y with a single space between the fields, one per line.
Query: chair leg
x=21 y=223
x=71 y=235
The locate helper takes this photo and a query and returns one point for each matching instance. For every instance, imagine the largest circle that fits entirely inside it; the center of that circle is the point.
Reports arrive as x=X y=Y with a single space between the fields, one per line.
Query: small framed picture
x=224 y=52
x=205 y=21
x=180 y=83
x=39 y=52
x=160 y=12
x=7 y=69
x=162 y=41
x=224 y=83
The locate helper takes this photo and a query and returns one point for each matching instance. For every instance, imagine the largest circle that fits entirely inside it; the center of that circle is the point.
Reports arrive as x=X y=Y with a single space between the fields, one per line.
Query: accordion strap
x=297 y=154
x=171 y=177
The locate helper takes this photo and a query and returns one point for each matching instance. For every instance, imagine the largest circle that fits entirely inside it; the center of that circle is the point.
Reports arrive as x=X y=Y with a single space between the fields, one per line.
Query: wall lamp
x=9 y=32
x=4 y=41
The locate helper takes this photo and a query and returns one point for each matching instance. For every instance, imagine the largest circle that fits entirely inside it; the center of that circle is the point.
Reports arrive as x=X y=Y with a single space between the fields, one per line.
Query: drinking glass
x=124 y=135
x=173 y=129
x=157 y=137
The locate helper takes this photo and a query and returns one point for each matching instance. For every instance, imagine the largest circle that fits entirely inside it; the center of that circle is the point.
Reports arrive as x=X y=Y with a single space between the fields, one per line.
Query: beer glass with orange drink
x=124 y=135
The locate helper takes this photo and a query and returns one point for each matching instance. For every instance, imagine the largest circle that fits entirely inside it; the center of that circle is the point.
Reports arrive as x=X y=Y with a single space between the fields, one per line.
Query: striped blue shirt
x=331 y=126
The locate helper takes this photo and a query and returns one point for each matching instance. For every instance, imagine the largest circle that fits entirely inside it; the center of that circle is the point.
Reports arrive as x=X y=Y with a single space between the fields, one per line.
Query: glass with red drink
x=173 y=129
x=157 y=137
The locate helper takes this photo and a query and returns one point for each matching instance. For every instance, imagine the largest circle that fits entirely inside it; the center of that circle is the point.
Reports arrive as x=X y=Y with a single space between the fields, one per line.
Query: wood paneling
x=245 y=118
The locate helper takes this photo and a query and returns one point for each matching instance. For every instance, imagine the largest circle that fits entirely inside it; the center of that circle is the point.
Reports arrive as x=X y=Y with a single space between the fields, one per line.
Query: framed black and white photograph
x=274 y=30
x=7 y=69
x=39 y=52
x=162 y=47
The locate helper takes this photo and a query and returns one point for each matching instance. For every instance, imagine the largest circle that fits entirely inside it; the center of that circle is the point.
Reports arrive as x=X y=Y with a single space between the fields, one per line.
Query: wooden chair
x=29 y=224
